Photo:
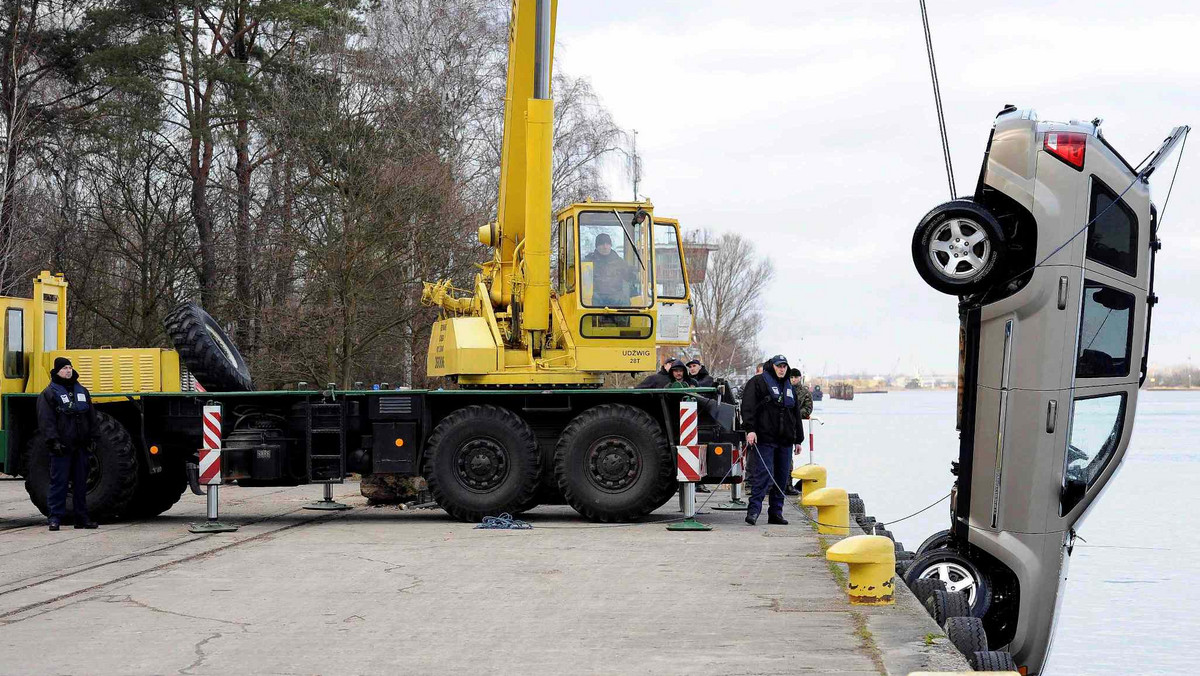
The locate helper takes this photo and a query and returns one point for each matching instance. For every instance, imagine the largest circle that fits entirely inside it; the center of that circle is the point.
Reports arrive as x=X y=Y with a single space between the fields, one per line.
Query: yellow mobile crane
x=519 y=327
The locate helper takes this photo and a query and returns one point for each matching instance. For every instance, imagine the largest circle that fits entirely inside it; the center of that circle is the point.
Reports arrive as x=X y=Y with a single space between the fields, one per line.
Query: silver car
x=1053 y=262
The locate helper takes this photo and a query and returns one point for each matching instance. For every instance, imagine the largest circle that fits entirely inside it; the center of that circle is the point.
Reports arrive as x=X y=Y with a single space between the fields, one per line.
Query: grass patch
x=866 y=641
x=931 y=637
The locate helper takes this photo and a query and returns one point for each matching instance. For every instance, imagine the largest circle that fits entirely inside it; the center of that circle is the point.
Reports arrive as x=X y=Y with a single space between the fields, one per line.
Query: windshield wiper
x=629 y=239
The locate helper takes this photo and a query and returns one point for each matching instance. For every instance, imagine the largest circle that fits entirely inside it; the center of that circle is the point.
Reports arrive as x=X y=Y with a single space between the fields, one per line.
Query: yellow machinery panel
x=116 y=370
x=462 y=345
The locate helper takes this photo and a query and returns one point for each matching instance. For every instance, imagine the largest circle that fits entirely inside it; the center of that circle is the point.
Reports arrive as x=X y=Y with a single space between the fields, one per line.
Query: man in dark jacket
x=804 y=411
x=612 y=277
x=699 y=373
x=657 y=380
x=67 y=421
x=769 y=416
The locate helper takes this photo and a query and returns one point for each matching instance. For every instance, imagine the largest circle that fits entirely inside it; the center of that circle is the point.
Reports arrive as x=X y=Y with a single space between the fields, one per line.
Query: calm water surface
x=1128 y=607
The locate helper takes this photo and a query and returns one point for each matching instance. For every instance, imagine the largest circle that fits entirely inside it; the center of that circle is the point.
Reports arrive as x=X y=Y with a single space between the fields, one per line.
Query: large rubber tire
x=993 y=660
x=157 y=493
x=484 y=462
x=946 y=228
x=939 y=540
x=924 y=588
x=943 y=605
x=613 y=463
x=112 y=480
x=964 y=575
x=967 y=634
x=206 y=350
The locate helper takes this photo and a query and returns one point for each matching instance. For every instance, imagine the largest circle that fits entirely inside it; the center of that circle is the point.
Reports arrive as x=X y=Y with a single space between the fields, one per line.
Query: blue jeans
x=770 y=462
x=71 y=466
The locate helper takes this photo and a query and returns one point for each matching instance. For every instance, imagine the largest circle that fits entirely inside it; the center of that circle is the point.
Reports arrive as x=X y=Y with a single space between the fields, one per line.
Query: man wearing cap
x=611 y=276
x=770 y=418
x=699 y=374
x=67 y=421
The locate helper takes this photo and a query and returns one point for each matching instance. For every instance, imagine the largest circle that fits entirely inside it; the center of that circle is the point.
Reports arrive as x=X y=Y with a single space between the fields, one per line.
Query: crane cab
x=605 y=285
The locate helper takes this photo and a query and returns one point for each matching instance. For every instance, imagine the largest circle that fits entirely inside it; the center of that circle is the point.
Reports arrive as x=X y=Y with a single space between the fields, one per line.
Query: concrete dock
x=387 y=591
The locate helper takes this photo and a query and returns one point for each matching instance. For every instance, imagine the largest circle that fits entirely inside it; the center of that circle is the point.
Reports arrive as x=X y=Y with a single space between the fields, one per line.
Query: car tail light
x=1067 y=146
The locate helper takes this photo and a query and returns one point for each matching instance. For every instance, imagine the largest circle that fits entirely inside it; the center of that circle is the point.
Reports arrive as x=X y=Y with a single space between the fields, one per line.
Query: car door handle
x=1063 y=285
x=1051 y=416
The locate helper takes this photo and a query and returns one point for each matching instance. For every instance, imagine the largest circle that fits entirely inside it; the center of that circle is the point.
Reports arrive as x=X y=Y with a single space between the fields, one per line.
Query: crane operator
x=612 y=277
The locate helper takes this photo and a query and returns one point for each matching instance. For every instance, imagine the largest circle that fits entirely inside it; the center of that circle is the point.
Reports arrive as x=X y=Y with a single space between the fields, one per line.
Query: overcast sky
x=810 y=127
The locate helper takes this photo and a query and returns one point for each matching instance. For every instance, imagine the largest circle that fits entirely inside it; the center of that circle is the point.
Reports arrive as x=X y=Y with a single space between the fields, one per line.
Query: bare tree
x=729 y=301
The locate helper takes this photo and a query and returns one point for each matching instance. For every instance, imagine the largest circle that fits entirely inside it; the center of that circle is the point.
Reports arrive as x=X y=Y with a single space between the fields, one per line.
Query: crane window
x=1105 y=332
x=668 y=265
x=1112 y=235
x=1096 y=427
x=14 y=343
x=615 y=259
x=50 y=331
x=570 y=265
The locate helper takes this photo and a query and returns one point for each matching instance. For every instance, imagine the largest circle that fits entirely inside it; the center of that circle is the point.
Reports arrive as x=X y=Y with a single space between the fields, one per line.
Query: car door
x=672 y=290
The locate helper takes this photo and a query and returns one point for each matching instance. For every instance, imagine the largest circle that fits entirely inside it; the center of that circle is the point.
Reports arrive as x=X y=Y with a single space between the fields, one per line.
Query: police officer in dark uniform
x=68 y=423
x=770 y=418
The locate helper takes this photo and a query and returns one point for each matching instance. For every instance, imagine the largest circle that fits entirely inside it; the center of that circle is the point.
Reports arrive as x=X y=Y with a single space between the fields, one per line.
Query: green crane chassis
x=608 y=453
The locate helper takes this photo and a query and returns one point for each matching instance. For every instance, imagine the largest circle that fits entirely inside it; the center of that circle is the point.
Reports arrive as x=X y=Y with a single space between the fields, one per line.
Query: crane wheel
x=112 y=476
x=206 y=350
x=157 y=493
x=613 y=463
x=484 y=462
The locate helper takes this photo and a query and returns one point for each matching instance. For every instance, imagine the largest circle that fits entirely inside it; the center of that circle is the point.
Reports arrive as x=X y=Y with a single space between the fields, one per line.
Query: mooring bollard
x=833 y=510
x=737 y=471
x=689 y=466
x=210 y=470
x=811 y=478
x=872 y=563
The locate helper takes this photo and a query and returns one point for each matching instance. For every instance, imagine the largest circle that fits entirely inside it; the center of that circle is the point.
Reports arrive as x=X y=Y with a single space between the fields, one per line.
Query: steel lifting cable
x=937 y=101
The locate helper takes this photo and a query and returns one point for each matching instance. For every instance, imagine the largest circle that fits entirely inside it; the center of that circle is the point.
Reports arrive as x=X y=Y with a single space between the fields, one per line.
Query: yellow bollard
x=833 y=510
x=872 y=561
x=811 y=477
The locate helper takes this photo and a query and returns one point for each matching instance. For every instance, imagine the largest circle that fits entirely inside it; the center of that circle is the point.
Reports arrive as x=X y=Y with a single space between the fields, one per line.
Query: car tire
x=939 y=540
x=967 y=634
x=613 y=464
x=992 y=660
x=857 y=507
x=206 y=350
x=945 y=255
x=924 y=588
x=112 y=477
x=483 y=462
x=942 y=605
x=964 y=575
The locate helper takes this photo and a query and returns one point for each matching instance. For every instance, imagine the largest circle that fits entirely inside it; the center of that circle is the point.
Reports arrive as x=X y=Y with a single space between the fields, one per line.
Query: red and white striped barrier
x=210 y=453
x=739 y=461
x=689 y=456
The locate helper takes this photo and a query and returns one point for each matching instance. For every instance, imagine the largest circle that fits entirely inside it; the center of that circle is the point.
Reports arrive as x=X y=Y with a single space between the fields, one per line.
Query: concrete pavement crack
x=200 y=656
x=128 y=599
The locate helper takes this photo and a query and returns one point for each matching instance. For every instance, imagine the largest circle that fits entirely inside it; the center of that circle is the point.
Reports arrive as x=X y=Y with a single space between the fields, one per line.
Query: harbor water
x=1128 y=607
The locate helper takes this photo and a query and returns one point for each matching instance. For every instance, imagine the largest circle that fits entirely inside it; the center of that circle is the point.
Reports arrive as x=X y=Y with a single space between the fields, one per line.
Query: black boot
x=777 y=520
x=53 y=523
x=751 y=519
x=701 y=488
x=86 y=523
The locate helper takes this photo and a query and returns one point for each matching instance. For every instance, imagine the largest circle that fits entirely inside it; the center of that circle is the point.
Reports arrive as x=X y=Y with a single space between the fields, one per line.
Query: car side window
x=1096 y=425
x=1105 y=332
x=14 y=343
x=1113 y=234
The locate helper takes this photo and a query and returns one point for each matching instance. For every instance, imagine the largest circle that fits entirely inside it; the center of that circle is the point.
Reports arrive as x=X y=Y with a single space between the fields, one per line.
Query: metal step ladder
x=325 y=443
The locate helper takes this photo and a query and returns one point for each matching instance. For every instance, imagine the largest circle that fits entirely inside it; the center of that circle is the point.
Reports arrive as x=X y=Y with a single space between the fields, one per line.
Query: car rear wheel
x=967 y=634
x=957 y=572
x=958 y=248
